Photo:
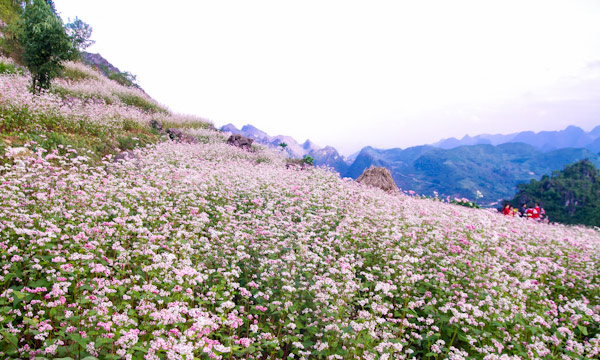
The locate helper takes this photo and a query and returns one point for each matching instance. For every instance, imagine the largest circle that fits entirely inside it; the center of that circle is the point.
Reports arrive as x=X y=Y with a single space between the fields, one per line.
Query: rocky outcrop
x=378 y=177
x=156 y=125
x=292 y=149
x=100 y=63
x=126 y=156
x=179 y=136
x=241 y=142
x=298 y=164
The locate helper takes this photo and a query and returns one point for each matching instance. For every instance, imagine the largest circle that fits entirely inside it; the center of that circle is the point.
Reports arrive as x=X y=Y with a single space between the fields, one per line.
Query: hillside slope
x=202 y=250
x=84 y=110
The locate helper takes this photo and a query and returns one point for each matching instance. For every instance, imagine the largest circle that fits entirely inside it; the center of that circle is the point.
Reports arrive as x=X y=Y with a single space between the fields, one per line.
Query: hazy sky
x=356 y=73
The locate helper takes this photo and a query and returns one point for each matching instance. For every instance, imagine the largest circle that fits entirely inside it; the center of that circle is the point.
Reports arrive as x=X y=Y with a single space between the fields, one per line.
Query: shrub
x=8 y=68
x=127 y=142
x=45 y=44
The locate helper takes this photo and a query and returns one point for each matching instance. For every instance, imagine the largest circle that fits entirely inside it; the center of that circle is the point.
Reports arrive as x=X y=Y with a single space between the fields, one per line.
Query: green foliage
x=10 y=10
x=307 y=159
x=10 y=13
x=571 y=196
x=141 y=103
x=79 y=32
x=124 y=78
x=127 y=142
x=74 y=74
x=6 y=68
x=189 y=125
x=45 y=44
x=52 y=130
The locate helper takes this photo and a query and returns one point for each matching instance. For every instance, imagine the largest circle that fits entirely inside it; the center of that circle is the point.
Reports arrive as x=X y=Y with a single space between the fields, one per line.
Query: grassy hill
x=207 y=251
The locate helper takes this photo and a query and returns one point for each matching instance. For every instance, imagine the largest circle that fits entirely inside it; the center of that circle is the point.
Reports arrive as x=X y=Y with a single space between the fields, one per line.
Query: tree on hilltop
x=45 y=44
x=79 y=32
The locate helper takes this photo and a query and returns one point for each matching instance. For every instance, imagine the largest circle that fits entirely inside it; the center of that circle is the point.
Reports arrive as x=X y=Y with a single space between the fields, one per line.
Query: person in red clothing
x=506 y=210
x=529 y=213
x=536 y=212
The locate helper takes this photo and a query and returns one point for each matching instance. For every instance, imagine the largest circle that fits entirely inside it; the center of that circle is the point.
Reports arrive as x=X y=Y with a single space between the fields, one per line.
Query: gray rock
x=179 y=136
x=298 y=164
x=240 y=141
x=157 y=125
x=378 y=177
x=126 y=155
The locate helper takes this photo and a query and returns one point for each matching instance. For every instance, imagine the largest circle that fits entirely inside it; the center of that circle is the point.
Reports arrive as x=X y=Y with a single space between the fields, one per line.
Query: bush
x=127 y=142
x=8 y=68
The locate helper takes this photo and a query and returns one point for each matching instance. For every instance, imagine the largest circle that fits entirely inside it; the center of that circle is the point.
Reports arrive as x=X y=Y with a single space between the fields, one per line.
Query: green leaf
x=14 y=341
x=19 y=295
x=583 y=329
x=140 y=348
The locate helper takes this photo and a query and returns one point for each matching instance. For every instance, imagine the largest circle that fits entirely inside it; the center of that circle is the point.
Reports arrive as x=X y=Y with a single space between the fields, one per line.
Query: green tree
x=10 y=13
x=79 y=32
x=45 y=44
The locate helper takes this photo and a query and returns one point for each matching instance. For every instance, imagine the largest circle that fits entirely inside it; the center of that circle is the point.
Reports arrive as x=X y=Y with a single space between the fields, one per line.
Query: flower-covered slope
x=83 y=109
x=198 y=251
x=206 y=251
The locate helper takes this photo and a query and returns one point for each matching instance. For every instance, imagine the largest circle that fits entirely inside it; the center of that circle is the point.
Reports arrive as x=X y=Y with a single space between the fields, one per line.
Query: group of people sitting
x=535 y=213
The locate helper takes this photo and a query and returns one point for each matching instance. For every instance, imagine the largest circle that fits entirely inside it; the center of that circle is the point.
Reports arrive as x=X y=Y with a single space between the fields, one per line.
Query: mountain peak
x=231 y=128
x=253 y=132
x=310 y=146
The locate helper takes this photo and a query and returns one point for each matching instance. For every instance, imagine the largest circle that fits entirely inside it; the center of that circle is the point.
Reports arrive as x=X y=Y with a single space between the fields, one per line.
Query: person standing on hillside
x=523 y=210
x=506 y=210
x=537 y=212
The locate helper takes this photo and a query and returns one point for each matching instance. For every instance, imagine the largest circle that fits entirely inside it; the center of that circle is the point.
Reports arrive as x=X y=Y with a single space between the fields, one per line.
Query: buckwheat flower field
x=206 y=251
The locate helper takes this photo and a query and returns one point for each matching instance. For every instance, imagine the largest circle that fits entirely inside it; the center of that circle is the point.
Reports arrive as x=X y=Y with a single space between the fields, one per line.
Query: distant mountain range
x=572 y=136
x=462 y=171
x=327 y=156
x=491 y=164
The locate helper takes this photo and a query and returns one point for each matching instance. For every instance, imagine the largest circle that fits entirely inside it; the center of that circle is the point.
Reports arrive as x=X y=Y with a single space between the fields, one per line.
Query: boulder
x=156 y=124
x=126 y=156
x=298 y=164
x=178 y=135
x=378 y=177
x=175 y=134
x=240 y=141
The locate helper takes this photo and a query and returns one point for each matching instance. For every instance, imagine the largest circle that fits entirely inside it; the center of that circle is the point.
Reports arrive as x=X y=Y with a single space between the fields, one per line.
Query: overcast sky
x=356 y=73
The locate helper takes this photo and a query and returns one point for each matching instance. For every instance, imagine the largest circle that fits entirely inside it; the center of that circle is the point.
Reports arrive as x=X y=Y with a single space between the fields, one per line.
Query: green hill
x=570 y=196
